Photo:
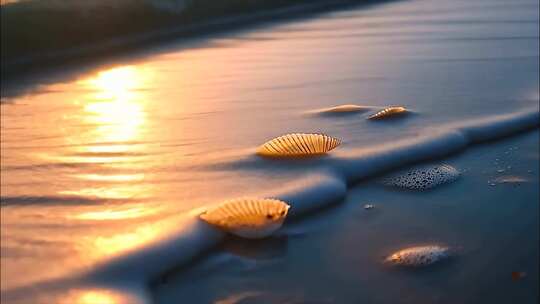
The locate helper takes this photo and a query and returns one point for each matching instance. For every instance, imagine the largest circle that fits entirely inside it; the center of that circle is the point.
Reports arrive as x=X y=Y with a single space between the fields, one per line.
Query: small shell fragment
x=423 y=177
x=368 y=206
x=388 y=112
x=298 y=145
x=346 y=108
x=419 y=256
x=511 y=179
x=250 y=218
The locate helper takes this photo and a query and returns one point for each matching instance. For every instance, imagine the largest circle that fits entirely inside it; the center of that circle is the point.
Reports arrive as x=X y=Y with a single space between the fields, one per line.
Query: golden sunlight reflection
x=94 y=297
x=117 y=121
x=111 y=178
x=98 y=296
x=129 y=235
x=109 y=214
x=111 y=192
x=110 y=118
x=113 y=120
x=117 y=107
x=109 y=245
x=117 y=82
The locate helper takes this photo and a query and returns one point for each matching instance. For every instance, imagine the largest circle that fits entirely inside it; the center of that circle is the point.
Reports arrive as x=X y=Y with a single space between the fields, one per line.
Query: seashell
x=250 y=218
x=511 y=179
x=240 y=298
x=298 y=144
x=388 y=112
x=342 y=109
x=423 y=178
x=419 y=256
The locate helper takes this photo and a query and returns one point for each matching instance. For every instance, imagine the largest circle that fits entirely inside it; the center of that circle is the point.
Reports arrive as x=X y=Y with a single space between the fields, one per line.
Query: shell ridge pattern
x=388 y=112
x=309 y=143
x=276 y=149
x=287 y=145
x=280 y=146
x=299 y=144
x=292 y=142
x=315 y=143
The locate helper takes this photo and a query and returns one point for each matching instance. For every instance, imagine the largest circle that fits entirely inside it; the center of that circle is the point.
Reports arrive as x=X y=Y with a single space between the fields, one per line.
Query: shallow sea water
x=100 y=161
x=337 y=256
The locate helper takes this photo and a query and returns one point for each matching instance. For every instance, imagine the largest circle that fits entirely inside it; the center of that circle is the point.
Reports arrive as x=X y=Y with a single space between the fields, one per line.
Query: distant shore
x=25 y=50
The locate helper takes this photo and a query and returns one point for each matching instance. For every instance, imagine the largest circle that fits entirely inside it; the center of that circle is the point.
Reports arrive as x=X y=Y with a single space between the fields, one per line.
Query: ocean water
x=336 y=256
x=102 y=166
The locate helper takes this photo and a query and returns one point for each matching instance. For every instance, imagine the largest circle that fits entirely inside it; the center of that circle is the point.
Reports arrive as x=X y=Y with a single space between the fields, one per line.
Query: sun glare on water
x=118 y=105
x=114 y=112
x=113 y=119
x=98 y=296
x=92 y=297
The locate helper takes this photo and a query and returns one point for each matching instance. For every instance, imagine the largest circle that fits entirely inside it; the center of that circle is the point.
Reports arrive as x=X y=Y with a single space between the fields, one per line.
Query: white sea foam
x=194 y=237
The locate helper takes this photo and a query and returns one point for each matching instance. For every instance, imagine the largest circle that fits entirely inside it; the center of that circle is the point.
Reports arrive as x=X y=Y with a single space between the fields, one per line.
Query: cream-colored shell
x=511 y=179
x=298 y=144
x=346 y=108
x=419 y=256
x=251 y=218
x=388 y=112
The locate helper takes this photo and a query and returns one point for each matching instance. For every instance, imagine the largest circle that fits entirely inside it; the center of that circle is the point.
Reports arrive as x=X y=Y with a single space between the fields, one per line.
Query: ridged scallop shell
x=423 y=178
x=388 y=112
x=298 y=144
x=419 y=256
x=248 y=217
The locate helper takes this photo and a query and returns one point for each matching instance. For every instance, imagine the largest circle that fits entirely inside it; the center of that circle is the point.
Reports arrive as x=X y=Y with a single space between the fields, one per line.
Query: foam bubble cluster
x=419 y=256
x=423 y=178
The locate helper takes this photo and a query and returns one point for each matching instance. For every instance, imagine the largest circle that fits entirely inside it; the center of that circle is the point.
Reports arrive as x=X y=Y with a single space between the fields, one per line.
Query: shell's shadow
x=264 y=249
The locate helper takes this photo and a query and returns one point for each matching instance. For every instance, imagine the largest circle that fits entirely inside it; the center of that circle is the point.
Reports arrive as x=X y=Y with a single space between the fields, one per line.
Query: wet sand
x=337 y=256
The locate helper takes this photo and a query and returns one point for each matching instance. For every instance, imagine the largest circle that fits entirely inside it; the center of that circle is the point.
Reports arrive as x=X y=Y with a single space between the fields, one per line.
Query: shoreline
x=76 y=56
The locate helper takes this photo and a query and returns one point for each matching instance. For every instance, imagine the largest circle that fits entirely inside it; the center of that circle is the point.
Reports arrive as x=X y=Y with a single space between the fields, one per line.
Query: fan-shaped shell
x=419 y=256
x=298 y=144
x=248 y=217
x=388 y=112
x=423 y=178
